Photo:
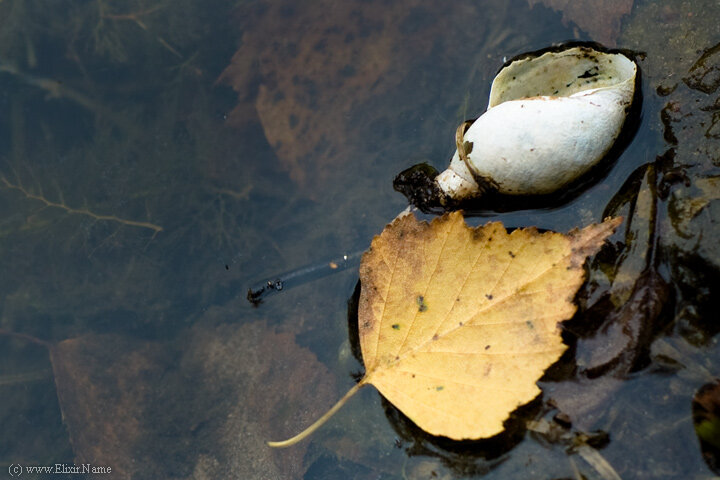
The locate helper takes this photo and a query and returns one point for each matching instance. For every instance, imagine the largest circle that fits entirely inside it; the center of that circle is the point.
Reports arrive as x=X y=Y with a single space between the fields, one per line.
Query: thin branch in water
x=80 y=211
x=26 y=337
x=55 y=89
x=243 y=194
x=12 y=380
x=135 y=17
x=257 y=293
x=131 y=16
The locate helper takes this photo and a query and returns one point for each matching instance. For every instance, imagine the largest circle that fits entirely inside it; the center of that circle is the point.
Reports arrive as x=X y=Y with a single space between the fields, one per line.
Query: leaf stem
x=320 y=421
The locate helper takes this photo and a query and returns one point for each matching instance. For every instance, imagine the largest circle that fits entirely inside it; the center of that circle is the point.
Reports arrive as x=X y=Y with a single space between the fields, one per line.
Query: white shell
x=549 y=120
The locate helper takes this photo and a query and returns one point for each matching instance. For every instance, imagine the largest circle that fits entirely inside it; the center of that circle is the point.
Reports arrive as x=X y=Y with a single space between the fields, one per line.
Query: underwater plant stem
x=135 y=17
x=81 y=211
x=320 y=421
x=26 y=337
x=56 y=89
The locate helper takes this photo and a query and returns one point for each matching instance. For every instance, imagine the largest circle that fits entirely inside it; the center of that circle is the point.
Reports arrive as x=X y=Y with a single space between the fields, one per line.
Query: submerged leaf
x=194 y=407
x=638 y=297
x=312 y=82
x=457 y=323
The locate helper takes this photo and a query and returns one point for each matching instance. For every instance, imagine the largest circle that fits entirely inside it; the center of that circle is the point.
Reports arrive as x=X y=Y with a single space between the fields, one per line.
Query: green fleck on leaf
x=439 y=387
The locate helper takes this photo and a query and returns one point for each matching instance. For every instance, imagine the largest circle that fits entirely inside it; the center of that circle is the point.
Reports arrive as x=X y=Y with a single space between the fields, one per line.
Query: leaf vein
x=429 y=282
x=448 y=380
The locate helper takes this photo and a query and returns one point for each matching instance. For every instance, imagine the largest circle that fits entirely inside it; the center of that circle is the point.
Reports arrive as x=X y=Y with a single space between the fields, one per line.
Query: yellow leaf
x=457 y=324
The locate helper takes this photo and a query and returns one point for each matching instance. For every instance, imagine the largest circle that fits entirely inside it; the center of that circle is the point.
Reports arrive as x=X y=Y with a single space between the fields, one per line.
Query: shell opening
x=562 y=74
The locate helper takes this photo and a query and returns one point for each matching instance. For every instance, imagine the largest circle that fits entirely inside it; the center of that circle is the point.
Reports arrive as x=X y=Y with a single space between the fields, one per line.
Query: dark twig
x=257 y=293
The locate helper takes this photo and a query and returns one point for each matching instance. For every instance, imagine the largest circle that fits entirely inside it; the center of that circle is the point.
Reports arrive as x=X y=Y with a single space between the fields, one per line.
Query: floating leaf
x=457 y=324
x=477 y=313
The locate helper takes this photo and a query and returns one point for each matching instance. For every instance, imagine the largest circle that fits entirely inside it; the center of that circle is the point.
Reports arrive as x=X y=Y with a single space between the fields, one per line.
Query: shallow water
x=157 y=159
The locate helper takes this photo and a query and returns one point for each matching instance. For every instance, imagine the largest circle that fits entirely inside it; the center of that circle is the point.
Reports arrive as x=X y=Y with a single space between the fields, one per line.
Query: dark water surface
x=157 y=158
